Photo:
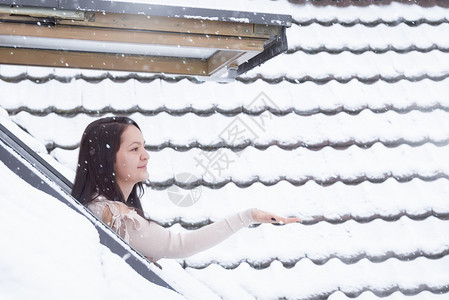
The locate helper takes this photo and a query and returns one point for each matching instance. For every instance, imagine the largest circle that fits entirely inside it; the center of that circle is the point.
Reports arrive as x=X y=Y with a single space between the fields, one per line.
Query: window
x=137 y=37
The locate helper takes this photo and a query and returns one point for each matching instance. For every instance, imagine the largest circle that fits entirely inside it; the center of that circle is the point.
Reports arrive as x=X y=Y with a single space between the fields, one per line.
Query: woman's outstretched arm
x=155 y=241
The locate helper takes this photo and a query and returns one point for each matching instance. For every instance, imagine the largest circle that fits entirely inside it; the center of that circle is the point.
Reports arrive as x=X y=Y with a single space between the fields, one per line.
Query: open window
x=137 y=37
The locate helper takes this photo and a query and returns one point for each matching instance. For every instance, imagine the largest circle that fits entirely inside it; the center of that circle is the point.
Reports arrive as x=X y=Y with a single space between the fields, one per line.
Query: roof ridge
x=383 y=289
x=367 y=49
x=319 y=219
x=246 y=80
x=346 y=259
x=339 y=145
x=358 y=3
x=228 y=112
x=358 y=21
x=162 y=185
x=329 y=78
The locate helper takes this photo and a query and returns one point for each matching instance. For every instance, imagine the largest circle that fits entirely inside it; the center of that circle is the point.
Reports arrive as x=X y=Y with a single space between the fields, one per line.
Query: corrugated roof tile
x=354 y=141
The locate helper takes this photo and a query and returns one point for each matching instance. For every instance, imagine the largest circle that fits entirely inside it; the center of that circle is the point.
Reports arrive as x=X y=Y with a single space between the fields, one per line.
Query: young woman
x=112 y=165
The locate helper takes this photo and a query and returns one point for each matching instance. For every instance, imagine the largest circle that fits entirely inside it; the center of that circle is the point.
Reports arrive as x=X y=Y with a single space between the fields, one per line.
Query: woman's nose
x=145 y=155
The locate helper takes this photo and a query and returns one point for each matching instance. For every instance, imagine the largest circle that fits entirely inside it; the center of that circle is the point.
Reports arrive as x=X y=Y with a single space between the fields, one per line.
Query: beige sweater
x=155 y=241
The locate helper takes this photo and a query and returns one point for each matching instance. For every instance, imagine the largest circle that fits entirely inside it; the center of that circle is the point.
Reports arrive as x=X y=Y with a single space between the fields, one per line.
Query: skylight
x=137 y=37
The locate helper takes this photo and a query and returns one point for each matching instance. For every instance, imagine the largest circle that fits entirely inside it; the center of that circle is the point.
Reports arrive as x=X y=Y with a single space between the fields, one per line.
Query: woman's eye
x=134 y=149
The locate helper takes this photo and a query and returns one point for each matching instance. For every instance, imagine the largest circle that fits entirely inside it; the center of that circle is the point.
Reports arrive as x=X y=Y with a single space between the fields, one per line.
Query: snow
x=322 y=280
x=290 y=244
x=346 y=65
x=200 y=18
x=158 y=96
x=300 y=165
x=372 y=125
x=307 y=12
x=171 y=273
x=240 y=20
x=61 y=257
x=359 y=37
x=340 y=129
x=311 y=202
x=394 y=296
x=31 y=142
x=36 y=145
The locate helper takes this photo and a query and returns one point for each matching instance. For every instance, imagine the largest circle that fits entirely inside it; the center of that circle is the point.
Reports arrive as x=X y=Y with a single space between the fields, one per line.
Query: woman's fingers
x=283 y=220
x=261 y=216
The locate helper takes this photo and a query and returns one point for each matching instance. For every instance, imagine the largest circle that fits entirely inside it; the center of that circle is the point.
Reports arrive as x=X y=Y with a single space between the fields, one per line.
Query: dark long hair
x=96 y=160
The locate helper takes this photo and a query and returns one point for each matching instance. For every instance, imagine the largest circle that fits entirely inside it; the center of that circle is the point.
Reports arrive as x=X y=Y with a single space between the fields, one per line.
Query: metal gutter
x=278 y=47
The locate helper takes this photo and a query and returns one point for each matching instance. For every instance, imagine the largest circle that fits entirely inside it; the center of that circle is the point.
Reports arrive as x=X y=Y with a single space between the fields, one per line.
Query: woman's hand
x=261 y=216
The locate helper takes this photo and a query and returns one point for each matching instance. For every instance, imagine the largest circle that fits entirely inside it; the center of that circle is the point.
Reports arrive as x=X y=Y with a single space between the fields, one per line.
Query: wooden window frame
x=232 y=43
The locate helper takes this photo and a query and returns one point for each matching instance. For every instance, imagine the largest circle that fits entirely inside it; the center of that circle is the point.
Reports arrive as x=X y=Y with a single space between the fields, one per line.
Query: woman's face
x=131 y=158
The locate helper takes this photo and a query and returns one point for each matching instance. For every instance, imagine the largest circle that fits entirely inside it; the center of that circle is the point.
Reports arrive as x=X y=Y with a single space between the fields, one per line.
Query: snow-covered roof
x=347 y=130
x=50 y=251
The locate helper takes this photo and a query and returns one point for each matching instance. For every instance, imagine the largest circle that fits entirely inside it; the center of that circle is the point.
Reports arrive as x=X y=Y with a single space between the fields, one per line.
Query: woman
x=112 y=165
